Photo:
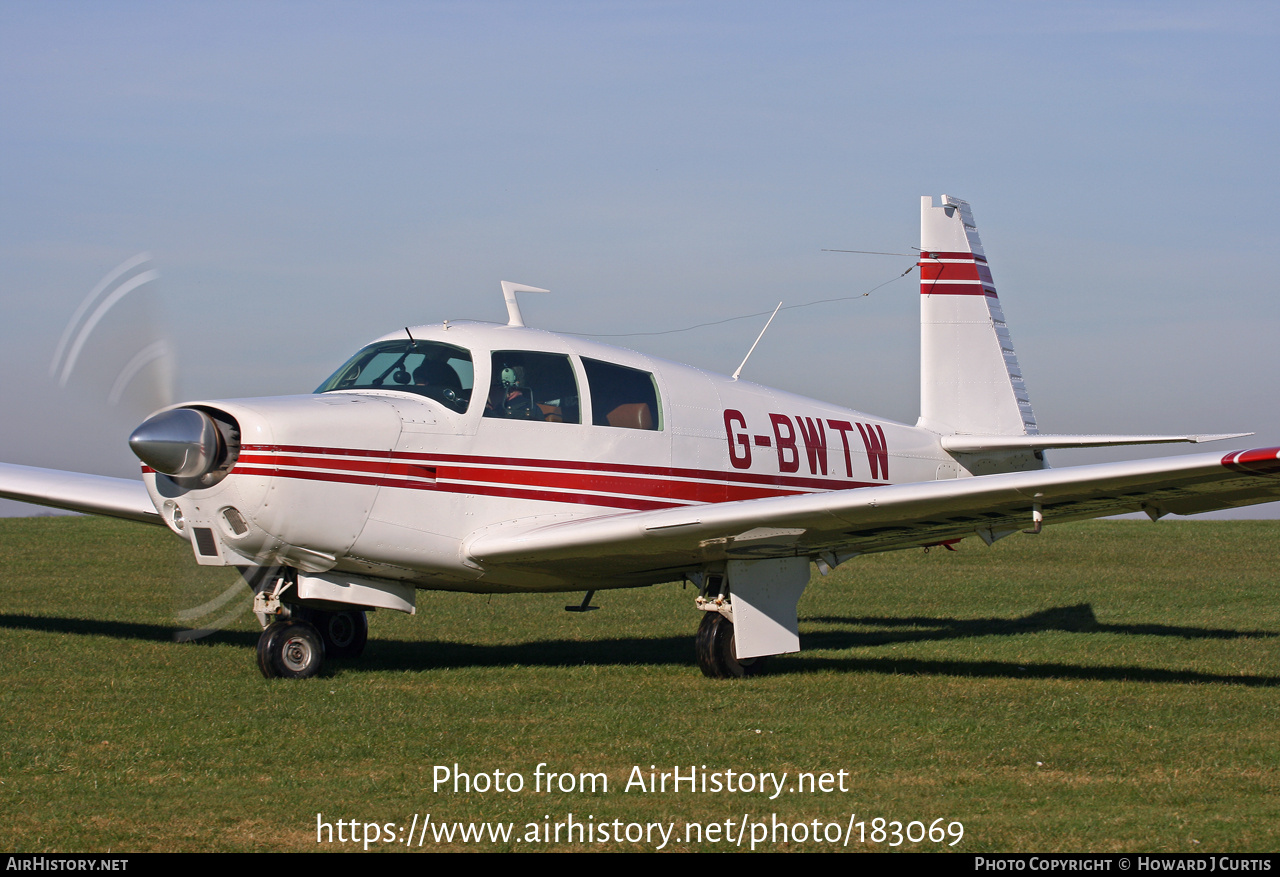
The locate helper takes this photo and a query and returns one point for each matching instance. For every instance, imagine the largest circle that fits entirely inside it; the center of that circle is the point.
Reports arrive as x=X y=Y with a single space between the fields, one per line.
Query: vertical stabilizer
x=970 y=382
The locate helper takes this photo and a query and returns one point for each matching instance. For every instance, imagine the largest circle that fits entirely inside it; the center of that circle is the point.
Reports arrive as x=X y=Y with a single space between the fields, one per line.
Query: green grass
x=1102 y=687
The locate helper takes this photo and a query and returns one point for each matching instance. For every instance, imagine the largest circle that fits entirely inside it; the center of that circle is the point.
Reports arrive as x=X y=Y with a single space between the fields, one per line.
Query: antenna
x=509 y=291
x=758 y=337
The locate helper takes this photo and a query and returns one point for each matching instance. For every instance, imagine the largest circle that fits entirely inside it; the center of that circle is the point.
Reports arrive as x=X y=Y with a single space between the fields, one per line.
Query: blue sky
x=309 y=176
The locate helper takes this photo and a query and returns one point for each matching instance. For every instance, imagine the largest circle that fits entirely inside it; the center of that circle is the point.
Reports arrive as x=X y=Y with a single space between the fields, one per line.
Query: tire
x=290 y=650
x=344 y=633
x=716 y=650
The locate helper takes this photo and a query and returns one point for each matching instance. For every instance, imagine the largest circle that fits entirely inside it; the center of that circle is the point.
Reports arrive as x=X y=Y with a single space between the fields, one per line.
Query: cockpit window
x=438 y=371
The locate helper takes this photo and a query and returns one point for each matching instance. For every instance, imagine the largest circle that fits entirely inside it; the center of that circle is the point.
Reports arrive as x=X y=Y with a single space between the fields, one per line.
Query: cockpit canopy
x=438 y=371
x=533 y=385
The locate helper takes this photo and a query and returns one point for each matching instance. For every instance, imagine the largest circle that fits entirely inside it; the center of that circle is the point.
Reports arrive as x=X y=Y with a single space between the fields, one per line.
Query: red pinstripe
x=615 y=485
x=669 y=472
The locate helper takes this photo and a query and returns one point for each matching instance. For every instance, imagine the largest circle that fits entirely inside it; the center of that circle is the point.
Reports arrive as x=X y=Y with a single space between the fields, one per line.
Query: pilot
x=512 y=398
x=433 y=373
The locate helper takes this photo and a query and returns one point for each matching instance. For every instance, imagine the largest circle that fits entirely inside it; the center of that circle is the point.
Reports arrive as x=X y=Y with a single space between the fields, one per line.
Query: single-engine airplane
x=498 y=458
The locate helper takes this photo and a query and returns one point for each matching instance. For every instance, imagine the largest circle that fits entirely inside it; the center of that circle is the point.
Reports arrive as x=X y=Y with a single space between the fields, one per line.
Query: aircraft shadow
x=123 y=629
x=1070 y=619
x=417 y=656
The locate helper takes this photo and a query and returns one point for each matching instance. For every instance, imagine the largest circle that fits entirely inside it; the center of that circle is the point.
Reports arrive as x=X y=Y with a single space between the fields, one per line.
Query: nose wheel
x=290 y=650
x=717 y=656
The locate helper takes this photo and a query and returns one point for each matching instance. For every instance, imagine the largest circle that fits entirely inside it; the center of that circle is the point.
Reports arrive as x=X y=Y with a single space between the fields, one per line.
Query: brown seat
x=632 y=415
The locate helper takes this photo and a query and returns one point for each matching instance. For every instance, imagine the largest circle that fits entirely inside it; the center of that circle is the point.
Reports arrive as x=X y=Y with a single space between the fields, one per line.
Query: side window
x=533 y=386
x=621 y=396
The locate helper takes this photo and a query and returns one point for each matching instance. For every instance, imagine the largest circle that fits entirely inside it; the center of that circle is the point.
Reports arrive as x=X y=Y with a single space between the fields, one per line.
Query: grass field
x=1101 y=687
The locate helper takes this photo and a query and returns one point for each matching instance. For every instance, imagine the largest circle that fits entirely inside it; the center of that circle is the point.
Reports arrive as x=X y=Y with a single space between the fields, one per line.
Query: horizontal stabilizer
x=964 y=444
x=77 y=492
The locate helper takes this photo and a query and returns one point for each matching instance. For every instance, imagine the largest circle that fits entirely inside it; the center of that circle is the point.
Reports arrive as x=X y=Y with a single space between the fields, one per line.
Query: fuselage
x=429 y=436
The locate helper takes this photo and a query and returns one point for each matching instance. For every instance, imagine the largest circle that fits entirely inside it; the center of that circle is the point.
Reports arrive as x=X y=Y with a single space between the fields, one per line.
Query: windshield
x=428 y=368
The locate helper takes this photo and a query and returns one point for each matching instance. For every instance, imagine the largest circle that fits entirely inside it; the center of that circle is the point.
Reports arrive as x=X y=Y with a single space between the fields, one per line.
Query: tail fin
x=970 y=382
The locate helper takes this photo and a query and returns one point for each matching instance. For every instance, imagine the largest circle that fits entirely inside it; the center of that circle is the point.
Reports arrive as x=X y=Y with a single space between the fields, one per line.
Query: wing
x=658 y=545
x=77 y=492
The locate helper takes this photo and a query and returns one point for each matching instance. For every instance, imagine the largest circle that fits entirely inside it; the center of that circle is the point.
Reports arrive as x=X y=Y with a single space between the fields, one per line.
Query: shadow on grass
x=1029 y=670
x=418 y=656
x=1068 y=619
x=124 y=629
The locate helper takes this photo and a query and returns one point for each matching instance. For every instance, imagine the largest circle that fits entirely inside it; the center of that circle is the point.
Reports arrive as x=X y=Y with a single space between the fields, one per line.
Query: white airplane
x=488 y=458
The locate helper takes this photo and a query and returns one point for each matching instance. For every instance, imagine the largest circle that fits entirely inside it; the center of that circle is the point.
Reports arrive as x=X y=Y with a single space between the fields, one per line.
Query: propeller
x=116 y=359
x=114 y=347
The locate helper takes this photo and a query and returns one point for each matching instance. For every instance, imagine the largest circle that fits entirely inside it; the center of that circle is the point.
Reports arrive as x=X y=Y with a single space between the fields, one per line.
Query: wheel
x=290 y=650
x=344 y=633
x=717 y=655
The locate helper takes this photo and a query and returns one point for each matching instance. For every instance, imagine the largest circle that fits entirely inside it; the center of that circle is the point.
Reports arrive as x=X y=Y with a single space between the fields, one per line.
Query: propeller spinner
x=181 y=443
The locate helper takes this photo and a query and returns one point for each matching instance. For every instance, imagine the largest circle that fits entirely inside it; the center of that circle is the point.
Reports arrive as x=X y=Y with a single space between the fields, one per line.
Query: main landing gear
x=748 y=611
x=715 y=643
x=717 y=656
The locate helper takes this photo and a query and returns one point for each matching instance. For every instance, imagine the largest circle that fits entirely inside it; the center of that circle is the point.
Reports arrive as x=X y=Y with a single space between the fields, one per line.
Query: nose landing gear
x=296 y=642
x=290 y=650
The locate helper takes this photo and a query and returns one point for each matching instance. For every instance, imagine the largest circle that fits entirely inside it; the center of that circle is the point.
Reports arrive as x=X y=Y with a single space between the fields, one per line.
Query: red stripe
x=412 y=470
x=338 y=477
x=948 y=271
x=514 y=477
x=681 y=490
x=927 y=288
x=695 y=492
x=1259 y=461
x=617 y=502
x=520 y=462
x=934 y=274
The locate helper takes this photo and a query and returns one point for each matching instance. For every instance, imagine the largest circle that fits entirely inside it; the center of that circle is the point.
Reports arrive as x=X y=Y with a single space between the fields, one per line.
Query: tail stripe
x=955 y=274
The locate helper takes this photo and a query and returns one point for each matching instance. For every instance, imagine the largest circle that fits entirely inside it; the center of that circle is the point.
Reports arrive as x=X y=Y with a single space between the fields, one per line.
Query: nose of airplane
x=182 y=443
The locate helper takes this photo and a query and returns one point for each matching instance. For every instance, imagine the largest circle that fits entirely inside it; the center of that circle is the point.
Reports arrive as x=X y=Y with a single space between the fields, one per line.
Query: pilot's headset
x=512 y=376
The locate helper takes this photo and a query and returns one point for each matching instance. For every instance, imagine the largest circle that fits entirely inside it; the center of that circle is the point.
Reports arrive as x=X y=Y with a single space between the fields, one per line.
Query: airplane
x=493 y=458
